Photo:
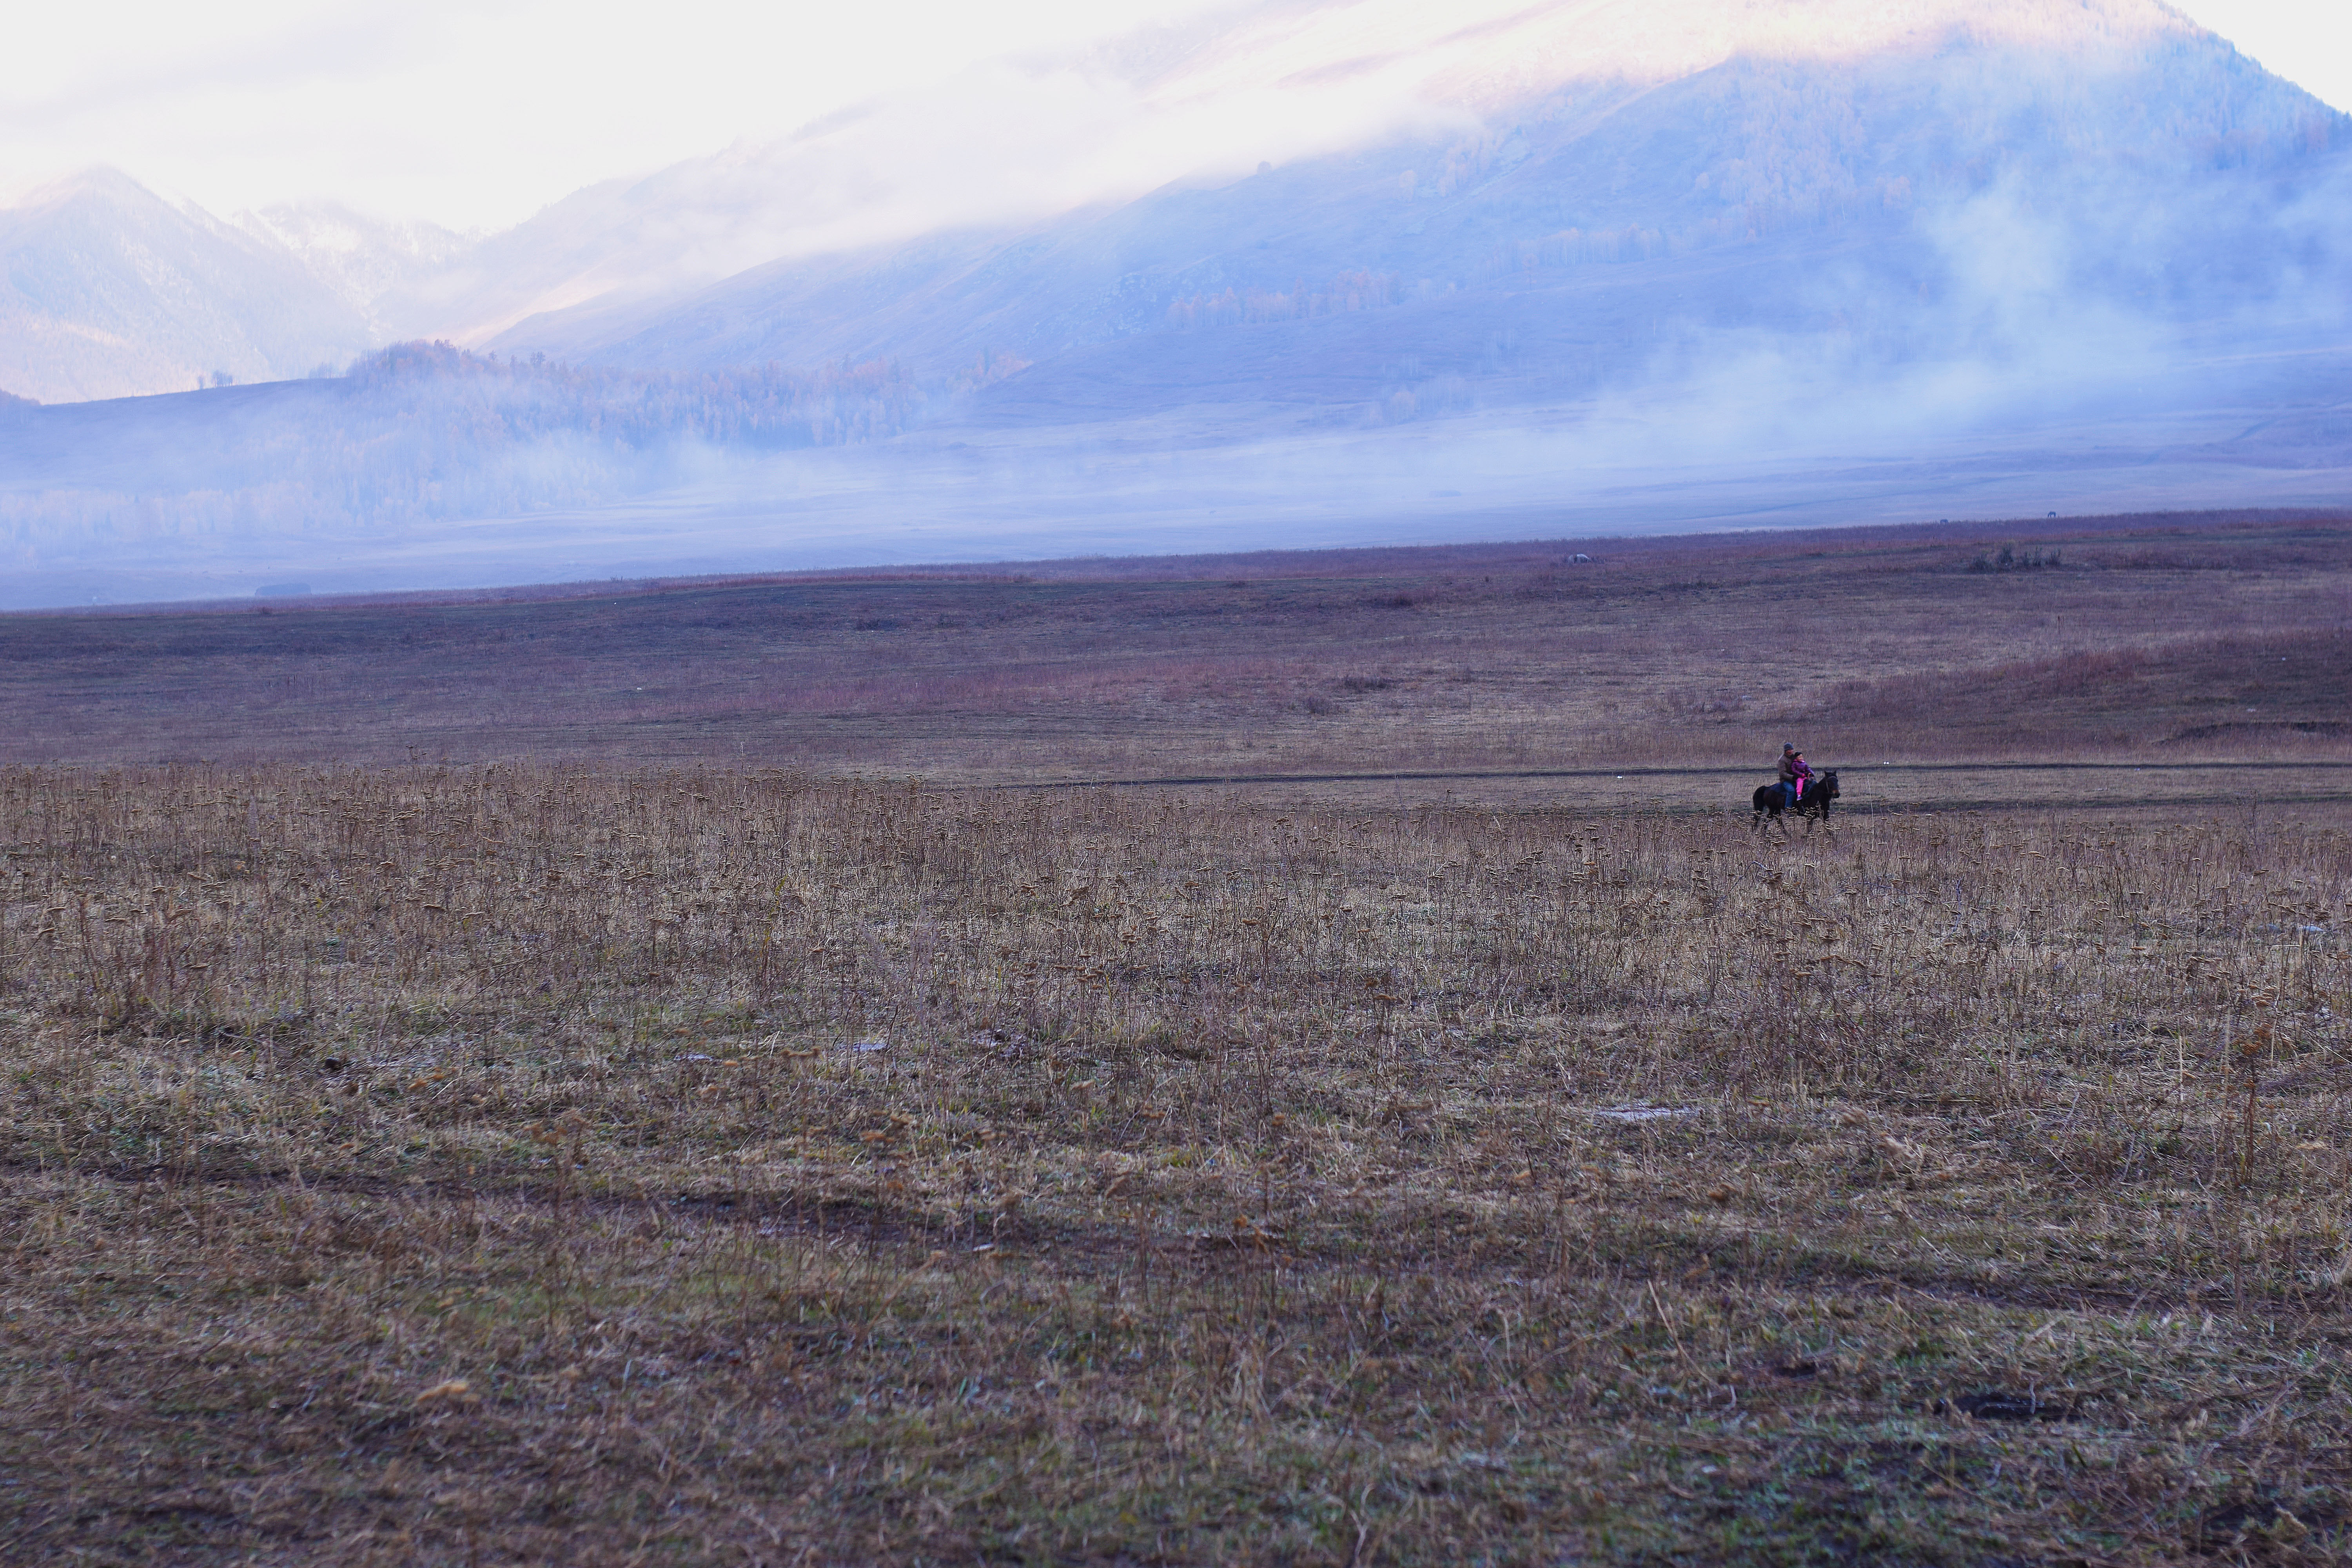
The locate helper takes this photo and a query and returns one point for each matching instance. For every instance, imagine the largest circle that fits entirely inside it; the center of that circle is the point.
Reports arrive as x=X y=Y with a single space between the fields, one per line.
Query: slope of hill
x=348 y=467
x=377 y=267
x=1462 y=87
x=1947 y=203
x=108 y=291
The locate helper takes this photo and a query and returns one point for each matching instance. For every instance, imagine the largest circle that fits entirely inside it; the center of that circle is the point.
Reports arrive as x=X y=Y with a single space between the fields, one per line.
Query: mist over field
x=1324 y=275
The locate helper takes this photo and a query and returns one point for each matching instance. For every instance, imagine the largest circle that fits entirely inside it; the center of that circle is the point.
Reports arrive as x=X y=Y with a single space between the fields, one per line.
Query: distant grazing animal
x=1815 y=804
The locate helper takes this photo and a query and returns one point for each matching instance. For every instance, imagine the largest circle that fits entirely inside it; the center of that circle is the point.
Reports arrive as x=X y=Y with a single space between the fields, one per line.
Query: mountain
x=1820 y=171
x=376 y=268
x=1401 y=272
x=1011 y=145
x=107 y=290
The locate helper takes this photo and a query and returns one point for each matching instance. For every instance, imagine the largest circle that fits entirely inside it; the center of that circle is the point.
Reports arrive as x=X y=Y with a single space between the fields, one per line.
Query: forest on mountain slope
x=422 y=431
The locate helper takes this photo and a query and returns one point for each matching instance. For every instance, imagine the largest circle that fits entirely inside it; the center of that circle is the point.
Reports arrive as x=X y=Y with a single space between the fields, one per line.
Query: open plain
x=1162 y=1063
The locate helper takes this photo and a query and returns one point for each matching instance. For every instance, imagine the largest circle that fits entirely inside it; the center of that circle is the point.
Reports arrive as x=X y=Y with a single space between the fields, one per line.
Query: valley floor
x=719 y=1074
x=2152 y=641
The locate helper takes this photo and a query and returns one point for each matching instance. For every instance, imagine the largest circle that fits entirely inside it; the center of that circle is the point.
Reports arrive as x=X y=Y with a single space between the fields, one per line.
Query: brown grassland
x=473 y=1119
x=2139 y=639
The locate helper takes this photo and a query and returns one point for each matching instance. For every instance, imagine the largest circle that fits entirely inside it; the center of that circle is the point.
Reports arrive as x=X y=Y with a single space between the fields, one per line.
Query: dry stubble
x=403 y=1166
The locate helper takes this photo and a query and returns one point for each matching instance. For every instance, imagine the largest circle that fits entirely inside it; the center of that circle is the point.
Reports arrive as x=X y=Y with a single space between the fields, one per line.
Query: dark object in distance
x=2012 y=1407
x=2291 y=726
x=2012 y=560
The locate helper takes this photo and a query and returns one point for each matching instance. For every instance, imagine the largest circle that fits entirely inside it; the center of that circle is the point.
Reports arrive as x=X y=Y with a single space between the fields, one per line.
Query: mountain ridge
x=107 y=290
x=1355 y=75
x=1972 y=273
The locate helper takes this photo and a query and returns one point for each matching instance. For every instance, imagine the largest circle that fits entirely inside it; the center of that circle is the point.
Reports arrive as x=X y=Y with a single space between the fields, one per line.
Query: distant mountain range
x=109 y=291
x=1510 y=248
x=2134 y=153
x=1500 y=151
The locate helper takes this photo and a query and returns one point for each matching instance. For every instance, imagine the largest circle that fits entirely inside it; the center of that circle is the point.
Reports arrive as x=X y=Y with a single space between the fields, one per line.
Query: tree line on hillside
x=1359 y=290
x=428 y=430
x=482 y=397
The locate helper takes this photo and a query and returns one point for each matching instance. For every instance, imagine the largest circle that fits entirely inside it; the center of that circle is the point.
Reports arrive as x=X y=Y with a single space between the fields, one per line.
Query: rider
x=1791 y=761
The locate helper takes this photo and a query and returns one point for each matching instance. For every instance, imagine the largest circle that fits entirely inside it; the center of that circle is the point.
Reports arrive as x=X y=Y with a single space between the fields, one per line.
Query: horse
x=1815 y=803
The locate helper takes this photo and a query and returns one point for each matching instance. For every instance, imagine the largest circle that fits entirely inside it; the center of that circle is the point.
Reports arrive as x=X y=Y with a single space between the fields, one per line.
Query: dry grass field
x=2138 y=640
x=632 y=1160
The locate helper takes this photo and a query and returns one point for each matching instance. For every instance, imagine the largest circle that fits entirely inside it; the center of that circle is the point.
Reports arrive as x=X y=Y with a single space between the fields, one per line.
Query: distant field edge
x=1725 y=770
x=1298 y=563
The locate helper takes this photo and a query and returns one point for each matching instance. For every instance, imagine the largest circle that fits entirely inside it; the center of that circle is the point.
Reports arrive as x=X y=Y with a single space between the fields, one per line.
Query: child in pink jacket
x=1793 y=773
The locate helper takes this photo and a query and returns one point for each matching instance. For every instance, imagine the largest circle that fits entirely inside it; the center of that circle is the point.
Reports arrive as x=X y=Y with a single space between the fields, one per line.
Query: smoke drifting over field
x=2047 y=260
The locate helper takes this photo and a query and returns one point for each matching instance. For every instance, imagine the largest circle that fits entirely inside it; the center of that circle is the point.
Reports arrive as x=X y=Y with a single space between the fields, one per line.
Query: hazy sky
x=478 y=114
x=2309 y=42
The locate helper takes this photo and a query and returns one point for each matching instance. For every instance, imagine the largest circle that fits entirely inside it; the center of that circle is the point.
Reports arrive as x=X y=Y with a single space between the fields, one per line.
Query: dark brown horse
x=1771 y=801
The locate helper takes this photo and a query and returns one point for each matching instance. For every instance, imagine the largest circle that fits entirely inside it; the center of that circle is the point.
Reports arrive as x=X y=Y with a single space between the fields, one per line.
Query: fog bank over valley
x=1589 y=269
